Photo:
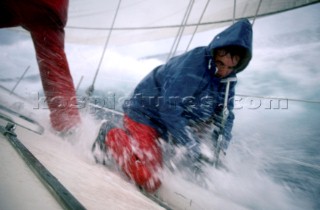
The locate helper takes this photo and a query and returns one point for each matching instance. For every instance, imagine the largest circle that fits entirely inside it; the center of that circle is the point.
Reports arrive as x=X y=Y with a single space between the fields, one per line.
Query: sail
x=131 y=21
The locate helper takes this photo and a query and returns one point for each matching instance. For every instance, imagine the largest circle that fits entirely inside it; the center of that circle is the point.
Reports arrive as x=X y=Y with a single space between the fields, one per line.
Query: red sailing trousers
x=137 y=152
x=45 y=19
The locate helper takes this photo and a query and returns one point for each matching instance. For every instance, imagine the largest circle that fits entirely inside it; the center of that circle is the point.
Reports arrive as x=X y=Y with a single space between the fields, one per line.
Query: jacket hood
x=238 y=34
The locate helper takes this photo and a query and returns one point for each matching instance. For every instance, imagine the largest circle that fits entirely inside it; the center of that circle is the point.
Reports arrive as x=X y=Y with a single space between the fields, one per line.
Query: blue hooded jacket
x=185 y=91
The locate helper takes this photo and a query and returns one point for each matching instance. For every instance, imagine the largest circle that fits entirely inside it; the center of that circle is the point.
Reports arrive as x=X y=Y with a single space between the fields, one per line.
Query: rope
x=255 y=16
x=104 y=50
x=279 y=98
x=181 y=29
x=195 y=30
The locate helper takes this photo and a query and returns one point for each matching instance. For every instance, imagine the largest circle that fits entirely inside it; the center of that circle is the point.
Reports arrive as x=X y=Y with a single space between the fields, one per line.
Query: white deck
x=20 y=188
x=93 y=185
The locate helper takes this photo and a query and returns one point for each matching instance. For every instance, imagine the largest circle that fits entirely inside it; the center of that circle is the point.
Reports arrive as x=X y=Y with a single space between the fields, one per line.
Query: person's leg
x=137 y=152
x=46 y=20
x=56 y=78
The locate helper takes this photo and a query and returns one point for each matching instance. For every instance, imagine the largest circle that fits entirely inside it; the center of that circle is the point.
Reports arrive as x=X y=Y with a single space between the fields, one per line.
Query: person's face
x=225 y=64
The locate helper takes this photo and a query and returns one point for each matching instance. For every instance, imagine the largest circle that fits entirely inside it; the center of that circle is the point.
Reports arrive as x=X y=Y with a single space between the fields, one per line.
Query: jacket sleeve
x=178 y=87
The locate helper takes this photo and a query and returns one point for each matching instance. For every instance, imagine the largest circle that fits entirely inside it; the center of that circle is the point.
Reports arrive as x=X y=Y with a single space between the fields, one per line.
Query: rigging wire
x=234 y=11
x=195 y=30
x=79 y=83
x=181 y=30
x=255 y=16
x=17 y=83
x=184 y=26
x=91 y=88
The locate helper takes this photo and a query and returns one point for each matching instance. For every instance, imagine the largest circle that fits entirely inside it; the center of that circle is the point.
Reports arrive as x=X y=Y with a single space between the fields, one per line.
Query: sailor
x=174 y=100
x=45 y=20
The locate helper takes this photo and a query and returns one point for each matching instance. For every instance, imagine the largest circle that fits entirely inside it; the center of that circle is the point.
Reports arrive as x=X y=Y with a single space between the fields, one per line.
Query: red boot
x=137 y=152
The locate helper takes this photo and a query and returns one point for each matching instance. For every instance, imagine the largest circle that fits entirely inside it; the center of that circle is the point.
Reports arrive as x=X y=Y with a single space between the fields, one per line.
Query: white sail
x=145 y=20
